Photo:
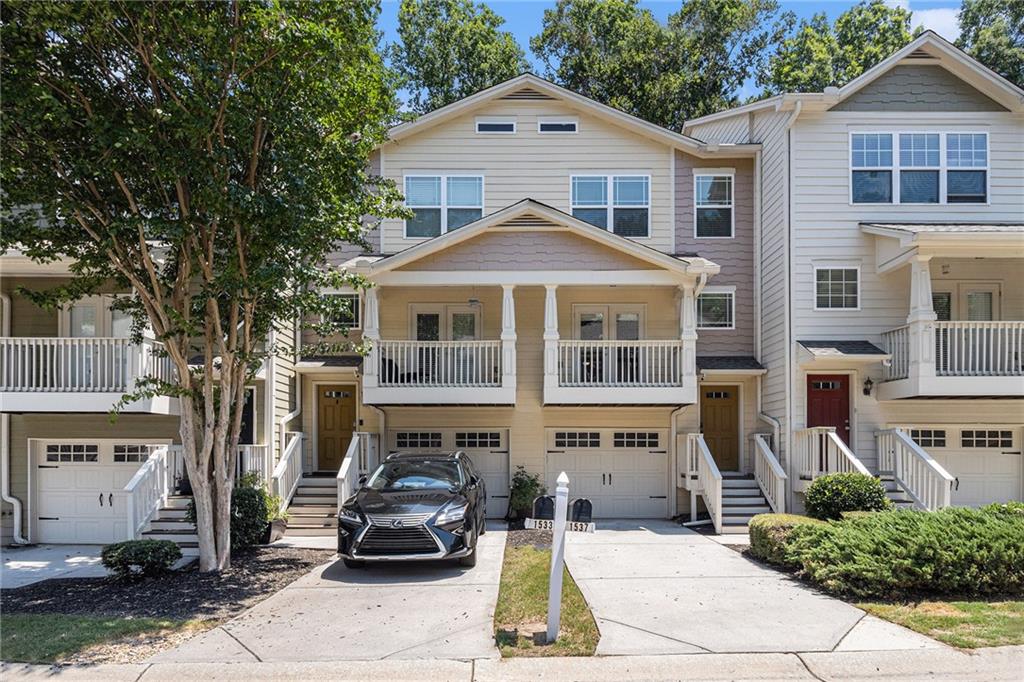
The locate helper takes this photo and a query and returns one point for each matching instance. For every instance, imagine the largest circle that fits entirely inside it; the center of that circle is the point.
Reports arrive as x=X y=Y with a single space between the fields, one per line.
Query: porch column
x=371 y=333
x=508 y=337
x=688 y=335
x=550 y=336
x=921 y=319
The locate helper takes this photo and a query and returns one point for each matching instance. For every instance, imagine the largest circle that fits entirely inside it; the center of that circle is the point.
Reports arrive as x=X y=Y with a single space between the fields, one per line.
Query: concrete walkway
x=425 y=610
x=26 y=565
x=657 y=588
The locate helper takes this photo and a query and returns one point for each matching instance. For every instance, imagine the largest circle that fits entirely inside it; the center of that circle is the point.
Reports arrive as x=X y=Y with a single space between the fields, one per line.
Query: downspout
x=759 y=303
x=788 y=283
x=5 y=440
x=297 y=340
x=268 y=401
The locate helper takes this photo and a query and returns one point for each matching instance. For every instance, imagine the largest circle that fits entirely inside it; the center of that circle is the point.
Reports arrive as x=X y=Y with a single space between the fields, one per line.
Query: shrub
x=140 y=558
x=252 y=507
x=831 y=495
x=769 y=534
x=1011 y=508
x=525 y=487
x=913 y=553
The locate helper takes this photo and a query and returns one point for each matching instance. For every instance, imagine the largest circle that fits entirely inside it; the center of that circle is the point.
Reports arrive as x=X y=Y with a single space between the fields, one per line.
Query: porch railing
x=708 y=478
x=620 y=363
x=439 y=363
x=148 y=489
x=288 y=471
x=360 y=458
x=896 y=342
x=923 y=479
x=768 y=473
x=253 y=459
x=819 y=450
x=979 y=348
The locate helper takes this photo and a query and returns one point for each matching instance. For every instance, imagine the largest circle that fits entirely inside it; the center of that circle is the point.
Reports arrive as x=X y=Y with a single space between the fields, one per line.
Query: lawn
x=963 y=624
x=523 y=605
x=54 y=638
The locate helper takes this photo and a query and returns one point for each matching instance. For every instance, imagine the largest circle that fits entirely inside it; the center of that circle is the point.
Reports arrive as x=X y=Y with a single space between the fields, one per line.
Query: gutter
x=5 y=441
x=283 y=422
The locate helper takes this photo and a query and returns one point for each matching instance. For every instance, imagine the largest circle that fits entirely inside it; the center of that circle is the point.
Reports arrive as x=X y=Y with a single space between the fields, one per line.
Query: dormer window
x=495 y=126
x=563 y=125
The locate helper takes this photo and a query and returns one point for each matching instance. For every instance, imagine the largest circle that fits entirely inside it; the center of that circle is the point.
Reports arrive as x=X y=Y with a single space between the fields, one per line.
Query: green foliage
x=135 y=559
x=816 y=55
x=1013 y=509
x=525 y=487
x=992 y=31
x=769 y=534
x=830 y=496
x=450 y=49
x=910 y=553
x=252 y=508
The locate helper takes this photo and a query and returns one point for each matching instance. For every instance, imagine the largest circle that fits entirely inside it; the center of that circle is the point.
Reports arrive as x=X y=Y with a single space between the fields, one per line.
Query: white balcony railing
x=928 y=484
x=896 y=342
x=768 y=473
x=819 y=450
x=101 y=365
x=439 y=363
x=979 y=348
x=620 y=363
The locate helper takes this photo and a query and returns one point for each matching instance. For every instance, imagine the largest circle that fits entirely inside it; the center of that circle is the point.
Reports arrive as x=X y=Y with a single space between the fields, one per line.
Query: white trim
x=741 y=455
x=562 y=120
x=836 y=266
x=716 y=173
x=529 y=277
x=610 y=177
x=497 y=120
x=853 y=381
x=730 y=290
x=443 y=207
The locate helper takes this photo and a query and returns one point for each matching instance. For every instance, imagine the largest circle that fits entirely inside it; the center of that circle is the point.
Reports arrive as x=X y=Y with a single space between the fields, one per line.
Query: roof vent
x=921 y=54
x=527 y=93
x=528 y=220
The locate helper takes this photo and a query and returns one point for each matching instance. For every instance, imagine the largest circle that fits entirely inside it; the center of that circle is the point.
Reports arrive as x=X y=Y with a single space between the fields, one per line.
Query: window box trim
x=716 y=173
x=609 y=177
x=837 y=266
x=443 y=207
x=730 y=290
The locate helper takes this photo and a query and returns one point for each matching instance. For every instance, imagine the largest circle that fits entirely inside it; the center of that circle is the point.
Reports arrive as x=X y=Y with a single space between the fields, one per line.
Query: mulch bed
x=521 y=537
x=186 y=595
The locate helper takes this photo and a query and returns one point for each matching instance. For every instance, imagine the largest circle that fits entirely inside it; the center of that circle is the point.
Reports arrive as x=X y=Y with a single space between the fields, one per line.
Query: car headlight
x=350 y=515
x=451 y=514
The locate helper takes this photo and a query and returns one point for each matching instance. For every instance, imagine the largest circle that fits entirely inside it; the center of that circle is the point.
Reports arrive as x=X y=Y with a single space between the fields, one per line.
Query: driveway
x=658 y=588
x=385 y=611
x=26 y=565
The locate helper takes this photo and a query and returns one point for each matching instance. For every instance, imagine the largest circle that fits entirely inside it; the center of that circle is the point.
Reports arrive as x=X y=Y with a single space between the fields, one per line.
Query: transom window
x=577 y=439
x=836 y=288
x=72 y=452
x=716 y=310
x=717 y=395
x=986 y=438
x=495 y=125
x=826 y=385
x=477 y=439
x=442 y=203
x=635 y=439
x=713 y=205
x=131 y=453
x=918 y=168
x=418 y=439
x=929 y=438
x=559 y=125
x=620 y=203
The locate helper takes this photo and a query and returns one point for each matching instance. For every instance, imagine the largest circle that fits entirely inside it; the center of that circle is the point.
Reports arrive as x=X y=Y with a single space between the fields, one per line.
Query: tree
x=817 y=55
x=450 y=49
x=992 y=31
x=207 y=157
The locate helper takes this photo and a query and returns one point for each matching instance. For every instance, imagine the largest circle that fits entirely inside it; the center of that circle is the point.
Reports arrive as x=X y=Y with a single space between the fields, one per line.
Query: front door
x=828 y=402
x=336 y=419
x=720 y=424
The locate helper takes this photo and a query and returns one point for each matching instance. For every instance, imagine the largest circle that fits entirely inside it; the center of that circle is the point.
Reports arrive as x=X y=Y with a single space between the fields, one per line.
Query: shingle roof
x=842 y=347
x=710 y=362
x=918 y=228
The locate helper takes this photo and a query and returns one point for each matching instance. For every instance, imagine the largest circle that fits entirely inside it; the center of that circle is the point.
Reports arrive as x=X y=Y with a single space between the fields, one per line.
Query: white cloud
x=943 y=21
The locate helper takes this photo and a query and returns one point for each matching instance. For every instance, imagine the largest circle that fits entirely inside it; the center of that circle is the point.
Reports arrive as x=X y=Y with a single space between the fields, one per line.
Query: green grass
x=53 y=638
x=523 y=606
x=963 y=624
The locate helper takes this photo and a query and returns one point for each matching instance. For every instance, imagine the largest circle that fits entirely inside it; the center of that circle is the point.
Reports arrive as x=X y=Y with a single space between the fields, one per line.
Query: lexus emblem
x=397 y=523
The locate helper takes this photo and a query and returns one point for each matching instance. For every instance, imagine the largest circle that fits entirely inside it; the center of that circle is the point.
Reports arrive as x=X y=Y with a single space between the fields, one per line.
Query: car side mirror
x=474 y=480
x=362 y=480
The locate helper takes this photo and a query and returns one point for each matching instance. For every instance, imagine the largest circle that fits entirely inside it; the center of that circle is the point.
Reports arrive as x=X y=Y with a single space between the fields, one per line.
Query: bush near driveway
x=769 y=534
x=829 y=496
x=140 y=558
x=252 y=507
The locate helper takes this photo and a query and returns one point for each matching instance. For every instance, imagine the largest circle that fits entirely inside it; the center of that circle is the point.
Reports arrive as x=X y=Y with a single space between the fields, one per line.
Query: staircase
x=314 y=507
x=170 y=523
x=742 y=500
x=895 y=493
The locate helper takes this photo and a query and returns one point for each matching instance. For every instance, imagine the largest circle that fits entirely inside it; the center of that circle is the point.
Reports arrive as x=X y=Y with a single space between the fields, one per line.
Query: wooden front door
x=336 y=420
x=828 y=402
x=720 y=424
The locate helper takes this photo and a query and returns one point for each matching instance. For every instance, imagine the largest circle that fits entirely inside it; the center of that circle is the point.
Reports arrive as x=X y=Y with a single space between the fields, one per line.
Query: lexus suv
x=414 y=507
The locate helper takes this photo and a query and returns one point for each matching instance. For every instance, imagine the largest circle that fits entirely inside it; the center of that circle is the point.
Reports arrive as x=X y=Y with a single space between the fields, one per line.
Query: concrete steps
x=314 y=508
x=742 y=500
x=895 y=493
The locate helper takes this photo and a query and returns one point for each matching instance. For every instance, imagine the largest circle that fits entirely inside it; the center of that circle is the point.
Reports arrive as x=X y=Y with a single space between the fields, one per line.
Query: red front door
x=828 y=402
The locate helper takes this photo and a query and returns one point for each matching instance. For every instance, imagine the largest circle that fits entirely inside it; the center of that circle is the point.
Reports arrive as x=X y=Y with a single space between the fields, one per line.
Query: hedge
x=829 y=496
x=770 y=532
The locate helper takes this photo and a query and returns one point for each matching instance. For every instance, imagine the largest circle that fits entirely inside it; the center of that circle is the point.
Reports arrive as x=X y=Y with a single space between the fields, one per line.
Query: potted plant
x=277 y=520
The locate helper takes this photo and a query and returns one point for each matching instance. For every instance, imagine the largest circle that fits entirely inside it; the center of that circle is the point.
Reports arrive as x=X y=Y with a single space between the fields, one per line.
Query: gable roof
x=528 y=86
x=531 y=215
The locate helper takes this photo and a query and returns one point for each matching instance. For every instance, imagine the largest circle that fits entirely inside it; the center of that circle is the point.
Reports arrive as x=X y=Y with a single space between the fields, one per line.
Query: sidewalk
x=1003 y=663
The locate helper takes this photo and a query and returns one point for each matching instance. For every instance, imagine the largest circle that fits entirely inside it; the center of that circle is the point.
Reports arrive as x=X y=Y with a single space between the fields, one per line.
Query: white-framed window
x=716 y=308
x=918 y=167
x=577 y=439
x=618 y=203
x=418 y=439
x=836 y=288
x=713 y=214
x=564 y=125
x=350 y=316
x=72 y=452
x=490 y=125
x=442 y=203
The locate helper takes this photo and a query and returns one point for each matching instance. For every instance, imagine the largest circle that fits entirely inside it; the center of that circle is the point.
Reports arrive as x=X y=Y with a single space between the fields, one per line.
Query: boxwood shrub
x=831 y=495
x=905 y=554
x=251 y=507
x=770 y=532
x=140 y=558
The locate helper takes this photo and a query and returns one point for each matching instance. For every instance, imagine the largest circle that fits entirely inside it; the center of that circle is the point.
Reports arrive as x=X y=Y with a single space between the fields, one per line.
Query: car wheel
x=482 y=526
x=469 y=561
x=353 y=563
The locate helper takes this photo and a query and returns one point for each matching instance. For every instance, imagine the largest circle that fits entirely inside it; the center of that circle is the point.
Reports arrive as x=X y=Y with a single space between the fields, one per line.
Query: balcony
x=79 y=374
x=641 y=372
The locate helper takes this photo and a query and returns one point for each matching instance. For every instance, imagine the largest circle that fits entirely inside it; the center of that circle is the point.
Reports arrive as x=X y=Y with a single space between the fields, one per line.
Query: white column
x=508 y=337
x=371 y=333
x=550 y=336
x=921 y=319
x=688 y=335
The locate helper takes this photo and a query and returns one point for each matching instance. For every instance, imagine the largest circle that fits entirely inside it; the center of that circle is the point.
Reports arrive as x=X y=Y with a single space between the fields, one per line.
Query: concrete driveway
x=386 y=611
x=26 y=565
x=658 y=588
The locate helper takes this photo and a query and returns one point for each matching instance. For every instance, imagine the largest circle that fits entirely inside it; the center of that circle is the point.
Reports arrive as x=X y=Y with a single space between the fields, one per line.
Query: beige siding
x=285 y=380
x=28 y=319
x=530 y=165
x=735 y=129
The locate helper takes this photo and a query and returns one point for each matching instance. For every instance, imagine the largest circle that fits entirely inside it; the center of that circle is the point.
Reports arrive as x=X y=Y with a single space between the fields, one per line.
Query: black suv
x=414 y=507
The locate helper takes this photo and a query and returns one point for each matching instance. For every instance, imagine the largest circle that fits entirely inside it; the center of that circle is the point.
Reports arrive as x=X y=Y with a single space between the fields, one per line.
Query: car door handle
x=602 y=478
x=110 y=499
x=609 y=479
x=101 y=499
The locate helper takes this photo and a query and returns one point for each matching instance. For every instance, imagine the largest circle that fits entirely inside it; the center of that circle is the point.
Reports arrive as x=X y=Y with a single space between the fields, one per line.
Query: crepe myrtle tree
x=206 y=156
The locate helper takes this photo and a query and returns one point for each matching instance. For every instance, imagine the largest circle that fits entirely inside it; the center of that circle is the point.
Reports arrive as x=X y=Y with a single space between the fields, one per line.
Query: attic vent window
x=507 y=127
x=557 y=126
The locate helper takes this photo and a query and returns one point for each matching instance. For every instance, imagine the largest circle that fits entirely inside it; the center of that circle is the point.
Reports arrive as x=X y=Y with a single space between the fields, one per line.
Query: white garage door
x=488 y=448
x=624 y=472
x=985 y=461
x=79 y=490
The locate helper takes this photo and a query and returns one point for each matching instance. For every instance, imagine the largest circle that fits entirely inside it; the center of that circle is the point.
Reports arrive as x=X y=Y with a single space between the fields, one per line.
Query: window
x=982 y=438
x=836 y=288
x=557 y=125
x=492 y=125
x=478 y=439
x=826 y=385
x=418 y=439
x=715 y=309
x=349 y=315
x=931 y=168
x=929 y=438
x=72 y=452
x=635 y=439
x=617 y=202
x=717 y=395
x=713 y=205
x=577 y=439
x=131 y=453
x=442 y=203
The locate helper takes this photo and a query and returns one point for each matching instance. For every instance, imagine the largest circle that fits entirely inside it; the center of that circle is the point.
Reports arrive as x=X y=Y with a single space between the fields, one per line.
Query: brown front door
x=720 y=424
x=828 y=402
x=336 y=419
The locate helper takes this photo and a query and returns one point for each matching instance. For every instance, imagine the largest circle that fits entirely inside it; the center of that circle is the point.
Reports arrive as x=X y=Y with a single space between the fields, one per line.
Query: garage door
x=488 y=448
x=624 y=472
x=985 y=461
x=79 y=490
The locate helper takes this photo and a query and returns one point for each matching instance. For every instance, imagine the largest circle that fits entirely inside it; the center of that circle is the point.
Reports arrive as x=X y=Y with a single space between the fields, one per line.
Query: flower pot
x=274 y=531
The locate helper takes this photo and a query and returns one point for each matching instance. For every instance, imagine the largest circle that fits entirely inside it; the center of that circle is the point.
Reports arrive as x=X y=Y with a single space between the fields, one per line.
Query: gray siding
x=914 y=87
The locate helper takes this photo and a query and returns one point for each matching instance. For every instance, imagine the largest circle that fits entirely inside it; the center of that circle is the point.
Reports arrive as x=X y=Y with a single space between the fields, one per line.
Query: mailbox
x=544 y=507
x=581 y=509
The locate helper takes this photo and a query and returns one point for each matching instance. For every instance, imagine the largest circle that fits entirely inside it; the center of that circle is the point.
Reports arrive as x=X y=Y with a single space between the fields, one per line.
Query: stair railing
x=288 y=471
x=147 y=491
x=769 y=474
x=709 y=478
x=922 y=478
x=819 y=451
x=360 y=459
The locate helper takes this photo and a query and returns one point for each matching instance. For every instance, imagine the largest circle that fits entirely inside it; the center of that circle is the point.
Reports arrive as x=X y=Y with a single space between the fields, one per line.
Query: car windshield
x=415 y=475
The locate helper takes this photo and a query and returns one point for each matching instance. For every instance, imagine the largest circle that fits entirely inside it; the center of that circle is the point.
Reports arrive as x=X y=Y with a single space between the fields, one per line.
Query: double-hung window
x=716 y=308
x=713 y=205
x=871 y=158
x=441 y=203
x=967 y=164
x=348 y=312
x=919 y=168
x=619 y=203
